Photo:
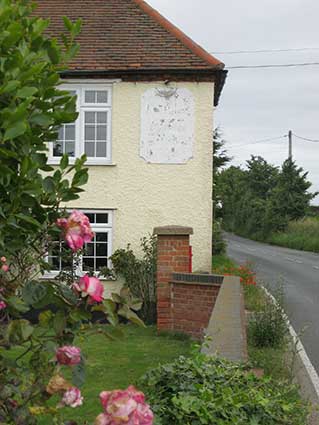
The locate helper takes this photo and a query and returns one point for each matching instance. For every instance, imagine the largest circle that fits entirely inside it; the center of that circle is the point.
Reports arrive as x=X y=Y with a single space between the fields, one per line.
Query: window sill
x=90 y=162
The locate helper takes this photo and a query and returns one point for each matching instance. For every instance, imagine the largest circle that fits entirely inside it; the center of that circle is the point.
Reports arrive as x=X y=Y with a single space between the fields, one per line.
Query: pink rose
x=5 y=268
x=3 y=259
x=76 y=229
x=72 y=398
x=92 y=287
x=124 y=407
x=3 y=305
x=68 y=355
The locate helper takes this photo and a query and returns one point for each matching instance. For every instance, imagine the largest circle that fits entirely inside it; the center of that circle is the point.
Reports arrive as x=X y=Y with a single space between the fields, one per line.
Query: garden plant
x=40 y=318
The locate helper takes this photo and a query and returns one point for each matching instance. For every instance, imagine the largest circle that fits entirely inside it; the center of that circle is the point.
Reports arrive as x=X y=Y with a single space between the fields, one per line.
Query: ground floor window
x=96 y=254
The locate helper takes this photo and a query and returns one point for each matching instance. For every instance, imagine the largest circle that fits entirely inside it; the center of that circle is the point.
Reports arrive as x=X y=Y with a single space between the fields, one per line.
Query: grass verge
x=272 y=360
x=301 y=234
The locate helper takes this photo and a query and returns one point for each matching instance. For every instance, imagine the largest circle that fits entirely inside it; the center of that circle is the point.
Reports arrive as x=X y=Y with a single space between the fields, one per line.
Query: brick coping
x=183 y=282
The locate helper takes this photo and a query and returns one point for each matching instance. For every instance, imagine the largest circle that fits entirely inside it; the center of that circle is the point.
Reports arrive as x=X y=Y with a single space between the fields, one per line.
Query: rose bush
x=35 y=354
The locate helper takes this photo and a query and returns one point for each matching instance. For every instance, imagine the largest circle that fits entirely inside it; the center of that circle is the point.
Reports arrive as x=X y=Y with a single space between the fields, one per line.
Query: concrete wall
x=144 y=195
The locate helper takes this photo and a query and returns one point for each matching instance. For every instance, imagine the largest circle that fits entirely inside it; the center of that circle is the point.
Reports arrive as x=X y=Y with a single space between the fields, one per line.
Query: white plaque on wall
x=167 y=125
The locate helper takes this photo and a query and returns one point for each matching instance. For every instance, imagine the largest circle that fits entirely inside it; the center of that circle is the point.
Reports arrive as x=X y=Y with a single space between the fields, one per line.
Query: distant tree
x=220 y=159
x=262 y=177
x=290 y=199
x=231 y=190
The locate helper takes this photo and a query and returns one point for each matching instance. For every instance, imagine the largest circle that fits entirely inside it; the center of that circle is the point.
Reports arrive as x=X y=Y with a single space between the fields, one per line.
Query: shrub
x=219 y=244
x=139 y=275
x=247 y=276
x=268 y=327
x=208 y=390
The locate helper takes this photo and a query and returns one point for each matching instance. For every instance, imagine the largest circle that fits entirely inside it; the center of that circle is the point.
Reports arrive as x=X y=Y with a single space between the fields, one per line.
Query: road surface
x=299 y=272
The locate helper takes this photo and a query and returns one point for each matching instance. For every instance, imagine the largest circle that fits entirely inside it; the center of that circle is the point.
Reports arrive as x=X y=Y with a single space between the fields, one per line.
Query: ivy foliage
x=204 y=390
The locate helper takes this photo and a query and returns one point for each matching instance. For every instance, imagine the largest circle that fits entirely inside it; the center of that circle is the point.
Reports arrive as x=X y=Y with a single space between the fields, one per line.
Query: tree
x=290 y=199
x=220 y=159
x=261 y=177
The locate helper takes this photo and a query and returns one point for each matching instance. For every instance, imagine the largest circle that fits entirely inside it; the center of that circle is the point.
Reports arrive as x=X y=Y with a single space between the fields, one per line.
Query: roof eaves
x=180 y=35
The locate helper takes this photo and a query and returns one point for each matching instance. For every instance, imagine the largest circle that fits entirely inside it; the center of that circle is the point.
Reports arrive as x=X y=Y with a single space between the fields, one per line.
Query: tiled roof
x=119 y=35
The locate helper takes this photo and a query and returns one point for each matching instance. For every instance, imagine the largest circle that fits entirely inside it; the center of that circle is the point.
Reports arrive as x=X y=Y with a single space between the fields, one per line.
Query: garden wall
x=185 y=301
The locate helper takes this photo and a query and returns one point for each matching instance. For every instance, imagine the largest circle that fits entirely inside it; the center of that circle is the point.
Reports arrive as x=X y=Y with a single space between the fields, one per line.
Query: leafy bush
x=268 y=327
x=139 y=275
x=207 y=390
x=247 y=276
x=219 y=244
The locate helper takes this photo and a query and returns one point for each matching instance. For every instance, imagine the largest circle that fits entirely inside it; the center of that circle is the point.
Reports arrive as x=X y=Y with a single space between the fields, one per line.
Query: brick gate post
x=172 y=256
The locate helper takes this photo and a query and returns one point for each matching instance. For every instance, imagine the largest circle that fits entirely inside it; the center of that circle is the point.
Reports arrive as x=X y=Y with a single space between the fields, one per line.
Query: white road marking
x=316 y=267
x=312 y=373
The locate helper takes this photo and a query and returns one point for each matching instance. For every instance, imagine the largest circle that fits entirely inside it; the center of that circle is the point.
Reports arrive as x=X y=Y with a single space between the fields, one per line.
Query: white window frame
x=82 y=107
x=96 y=228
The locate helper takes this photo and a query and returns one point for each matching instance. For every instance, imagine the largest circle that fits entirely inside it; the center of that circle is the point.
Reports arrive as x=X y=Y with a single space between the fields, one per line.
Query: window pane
x=70 y=148
x=102 y=96
x=55 y=263
x=102 y=218
x=101 y=132
x=90 y=217
x=88 y=263
x=101 y=117
x=61 y=133
x=70 y=132
x=90 y=96
x=89 y=132
x=57 y=149
x=101 y=150
x=89 y=149
x=101 y=237
x=101 y=249
x=101 y=262
x=89 y=117
x=89 y=249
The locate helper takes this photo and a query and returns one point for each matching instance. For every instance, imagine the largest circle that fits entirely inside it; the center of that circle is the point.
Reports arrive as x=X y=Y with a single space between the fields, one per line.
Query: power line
x=286 y=65
x=306 y=139
x=237 y=52
x=260 y=141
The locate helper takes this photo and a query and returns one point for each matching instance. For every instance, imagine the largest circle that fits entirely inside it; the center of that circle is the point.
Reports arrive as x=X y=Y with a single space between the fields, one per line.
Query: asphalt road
x=299 y=272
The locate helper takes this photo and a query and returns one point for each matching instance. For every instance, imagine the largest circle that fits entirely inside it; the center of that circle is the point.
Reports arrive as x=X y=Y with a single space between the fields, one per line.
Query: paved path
x=299 y=272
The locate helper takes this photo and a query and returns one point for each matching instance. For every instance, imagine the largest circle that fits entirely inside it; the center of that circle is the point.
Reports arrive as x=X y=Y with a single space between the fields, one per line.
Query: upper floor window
x=91 y=132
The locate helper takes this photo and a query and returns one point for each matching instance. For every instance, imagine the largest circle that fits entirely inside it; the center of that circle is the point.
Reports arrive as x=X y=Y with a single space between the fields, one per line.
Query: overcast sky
x=258 y=104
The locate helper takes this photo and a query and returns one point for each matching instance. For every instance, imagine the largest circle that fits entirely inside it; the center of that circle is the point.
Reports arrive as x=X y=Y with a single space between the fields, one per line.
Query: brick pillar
x=172 y=256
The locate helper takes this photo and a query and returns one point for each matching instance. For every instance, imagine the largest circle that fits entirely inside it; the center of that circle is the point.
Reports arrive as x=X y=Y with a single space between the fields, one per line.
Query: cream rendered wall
x=147 y=195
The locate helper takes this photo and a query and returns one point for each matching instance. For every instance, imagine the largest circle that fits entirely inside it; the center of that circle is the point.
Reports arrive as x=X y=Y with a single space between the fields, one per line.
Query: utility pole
x=290 y=144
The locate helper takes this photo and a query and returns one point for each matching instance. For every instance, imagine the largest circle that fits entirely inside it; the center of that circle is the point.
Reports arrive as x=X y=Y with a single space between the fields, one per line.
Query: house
x=146 y=96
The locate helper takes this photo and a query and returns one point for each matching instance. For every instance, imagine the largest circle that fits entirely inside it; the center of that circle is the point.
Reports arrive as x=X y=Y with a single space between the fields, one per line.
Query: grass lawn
x=117 y=364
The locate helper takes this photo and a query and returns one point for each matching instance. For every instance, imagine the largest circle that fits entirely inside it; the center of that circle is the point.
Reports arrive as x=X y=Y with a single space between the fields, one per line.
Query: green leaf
x=25 y=92
x=16 y=130
x=18 y=331
x=59 y=323
x=34 y=292
x=48 y=184
x=28 y=219
x=41 y=119
x=78 y=374
x=53 y=54
x=18 y=304
x=80 y=178
x=67 y=23
x=10 y=86
x=64 y=161
x=45 y=318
